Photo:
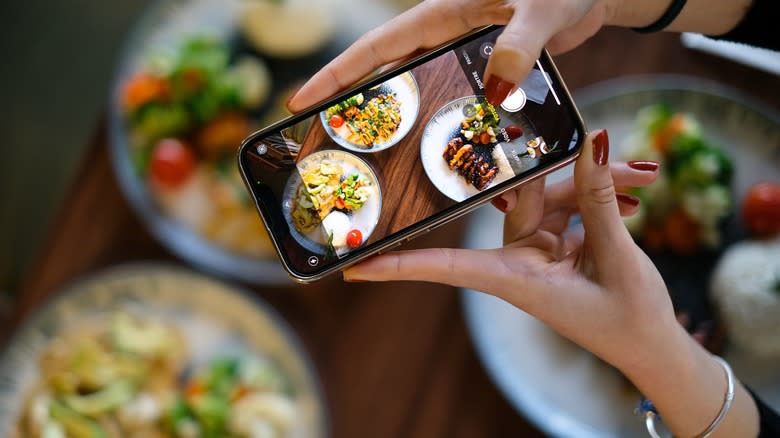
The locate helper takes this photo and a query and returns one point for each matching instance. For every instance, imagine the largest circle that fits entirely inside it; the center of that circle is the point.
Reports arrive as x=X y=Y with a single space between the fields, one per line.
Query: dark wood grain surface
x=395 y=359
x=414 y=196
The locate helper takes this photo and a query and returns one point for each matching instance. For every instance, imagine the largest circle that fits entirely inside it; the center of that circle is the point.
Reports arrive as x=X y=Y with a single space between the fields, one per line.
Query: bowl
x=215 y=319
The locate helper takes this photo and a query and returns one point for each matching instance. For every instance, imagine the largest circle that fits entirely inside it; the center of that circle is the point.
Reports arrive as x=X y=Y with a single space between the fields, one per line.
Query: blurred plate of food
x=376 y=119
x=712 y=230
x=460 y=147
x=332 y=203
x=195 y=78
x=152 y=350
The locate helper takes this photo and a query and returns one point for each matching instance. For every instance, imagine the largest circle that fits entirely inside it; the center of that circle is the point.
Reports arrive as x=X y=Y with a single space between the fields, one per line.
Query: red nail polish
x=497 y=89
x=499 y=203
x=601 y=148
x=643 y=165
x=627 y=199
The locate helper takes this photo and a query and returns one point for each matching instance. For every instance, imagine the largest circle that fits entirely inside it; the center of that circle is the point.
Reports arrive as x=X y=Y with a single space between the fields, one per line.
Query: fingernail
x=499 y=203
x=643 y=165
x=289 y=99
x=627 y=199
x=497 y=89
x=354 y=280
x=601 y=148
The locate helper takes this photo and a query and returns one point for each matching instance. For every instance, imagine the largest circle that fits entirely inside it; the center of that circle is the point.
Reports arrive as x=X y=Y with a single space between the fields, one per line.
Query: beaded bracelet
x=648 y=412
x=666 y=19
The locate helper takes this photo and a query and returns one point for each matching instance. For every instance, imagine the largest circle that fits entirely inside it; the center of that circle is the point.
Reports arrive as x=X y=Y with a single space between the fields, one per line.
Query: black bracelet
x=666 y=19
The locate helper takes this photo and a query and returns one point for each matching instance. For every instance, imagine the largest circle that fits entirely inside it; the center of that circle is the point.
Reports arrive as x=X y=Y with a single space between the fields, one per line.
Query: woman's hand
x=530 y=25
x=590 y=283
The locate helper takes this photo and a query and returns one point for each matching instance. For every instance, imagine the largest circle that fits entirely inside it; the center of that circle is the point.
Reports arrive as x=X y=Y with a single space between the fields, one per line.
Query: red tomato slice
x=761 y=209
x=172 y=163
x=354 y=239
x=336 y=121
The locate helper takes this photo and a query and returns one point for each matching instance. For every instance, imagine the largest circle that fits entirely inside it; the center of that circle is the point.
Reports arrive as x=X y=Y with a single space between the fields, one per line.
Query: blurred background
x=55 y=86
x=87 y=88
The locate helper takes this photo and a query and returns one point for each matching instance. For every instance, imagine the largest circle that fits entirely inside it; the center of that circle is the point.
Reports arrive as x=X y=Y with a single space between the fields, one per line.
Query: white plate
x=215 y=319
x=364 y=219
x=563 y=389
x=407 y=94
x=443 y=127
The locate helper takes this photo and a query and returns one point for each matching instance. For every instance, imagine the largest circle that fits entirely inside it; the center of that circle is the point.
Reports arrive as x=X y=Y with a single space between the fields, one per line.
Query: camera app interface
x=401 y=152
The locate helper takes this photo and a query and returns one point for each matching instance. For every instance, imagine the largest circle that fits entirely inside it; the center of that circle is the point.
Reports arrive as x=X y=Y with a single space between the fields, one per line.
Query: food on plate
x=366 y=123
x=122 y=377
x=761 y=209
x=287 y=29
x=330 y=193
x=683 y=210
x=354 y=239
x=477 y=168
x=187 y=112
x=536 y=147
x=746 y=290
x=470 y=152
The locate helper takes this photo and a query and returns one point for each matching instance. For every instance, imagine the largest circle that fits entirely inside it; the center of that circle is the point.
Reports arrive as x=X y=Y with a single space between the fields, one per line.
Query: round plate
x=164 y=25
x=214 y=318
x=563 y=389
x=364 y=219
x=407 y=93
x=443 y=127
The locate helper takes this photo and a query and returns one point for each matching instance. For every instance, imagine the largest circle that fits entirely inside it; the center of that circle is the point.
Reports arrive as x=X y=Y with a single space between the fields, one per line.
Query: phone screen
x=400 y=152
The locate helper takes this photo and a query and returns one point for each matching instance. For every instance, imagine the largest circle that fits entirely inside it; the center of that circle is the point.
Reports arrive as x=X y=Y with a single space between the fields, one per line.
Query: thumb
x=515 y=52
x=606 y=235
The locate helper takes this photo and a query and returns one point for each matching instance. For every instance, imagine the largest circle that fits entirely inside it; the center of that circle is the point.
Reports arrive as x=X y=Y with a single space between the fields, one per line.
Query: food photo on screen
x=402 y=151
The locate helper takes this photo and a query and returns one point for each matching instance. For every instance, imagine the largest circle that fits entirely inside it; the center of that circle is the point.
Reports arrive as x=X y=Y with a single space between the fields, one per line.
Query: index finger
x=424 y=26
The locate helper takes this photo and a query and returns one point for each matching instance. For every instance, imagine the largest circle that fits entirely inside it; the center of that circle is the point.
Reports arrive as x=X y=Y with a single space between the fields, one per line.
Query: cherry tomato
x=681 y=233
x=484 y=138
x=761 y=209
x=336 y=121
x=172 y=163
x=514 y=132
x=144 y=88
x=354 y=239
x=223 y=134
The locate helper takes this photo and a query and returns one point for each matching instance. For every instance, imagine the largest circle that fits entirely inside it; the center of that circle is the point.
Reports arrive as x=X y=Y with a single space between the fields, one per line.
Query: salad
x=366 y=124
x=122 y=378
x=683 y=210
x=187 y=111
x=327 y=196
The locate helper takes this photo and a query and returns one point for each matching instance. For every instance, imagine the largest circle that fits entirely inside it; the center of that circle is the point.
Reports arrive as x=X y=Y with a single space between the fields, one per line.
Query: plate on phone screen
x=563 y=389
x=392 y=106
x=445 y=126
x=332 y=170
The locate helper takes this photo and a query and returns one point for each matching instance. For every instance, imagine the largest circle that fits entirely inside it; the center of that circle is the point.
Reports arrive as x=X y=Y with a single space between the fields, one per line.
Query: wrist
x=703 y=16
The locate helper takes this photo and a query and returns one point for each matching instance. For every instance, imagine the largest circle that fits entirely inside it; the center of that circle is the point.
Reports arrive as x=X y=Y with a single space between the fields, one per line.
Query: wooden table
x=395 y=359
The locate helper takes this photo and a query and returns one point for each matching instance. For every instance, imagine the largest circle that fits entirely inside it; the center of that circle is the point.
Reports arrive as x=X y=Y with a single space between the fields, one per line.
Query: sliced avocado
x=142 y=339
x=100 y=402
x=76 y=426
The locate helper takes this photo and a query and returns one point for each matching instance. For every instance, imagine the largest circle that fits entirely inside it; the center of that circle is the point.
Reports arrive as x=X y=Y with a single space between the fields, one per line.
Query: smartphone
x=401 y=153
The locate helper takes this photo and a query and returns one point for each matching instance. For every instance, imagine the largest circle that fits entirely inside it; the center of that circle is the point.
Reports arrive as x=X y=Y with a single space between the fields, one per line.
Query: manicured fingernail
x=499 y=203
x=643 y=165
x=497 y=89
x=627 y=199
x=601 y=148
